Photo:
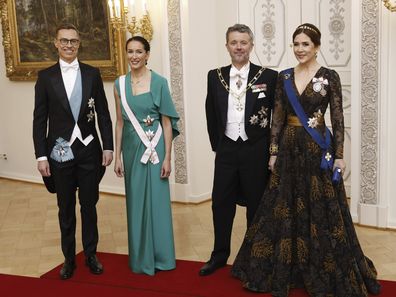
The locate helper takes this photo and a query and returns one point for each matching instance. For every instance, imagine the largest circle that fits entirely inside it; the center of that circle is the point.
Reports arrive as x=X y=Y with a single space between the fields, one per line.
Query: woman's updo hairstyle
x=311 y=31
x=142 y=40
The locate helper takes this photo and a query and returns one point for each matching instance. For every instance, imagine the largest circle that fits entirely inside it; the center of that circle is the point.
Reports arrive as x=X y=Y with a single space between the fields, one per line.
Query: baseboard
x=180 y=193
x=373 y=215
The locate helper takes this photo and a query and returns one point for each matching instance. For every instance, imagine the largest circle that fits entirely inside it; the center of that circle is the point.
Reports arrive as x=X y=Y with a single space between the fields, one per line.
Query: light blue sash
x=76 y=97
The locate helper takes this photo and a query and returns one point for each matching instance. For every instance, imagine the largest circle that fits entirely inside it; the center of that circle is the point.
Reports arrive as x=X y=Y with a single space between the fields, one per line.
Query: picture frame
x=29 y=29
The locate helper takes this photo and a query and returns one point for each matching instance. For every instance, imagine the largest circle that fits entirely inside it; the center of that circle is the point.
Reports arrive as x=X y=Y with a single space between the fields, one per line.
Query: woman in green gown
x=145 y=127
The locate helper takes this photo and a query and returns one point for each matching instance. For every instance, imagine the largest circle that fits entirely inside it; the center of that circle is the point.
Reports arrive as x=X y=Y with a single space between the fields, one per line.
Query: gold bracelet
x=273 y=149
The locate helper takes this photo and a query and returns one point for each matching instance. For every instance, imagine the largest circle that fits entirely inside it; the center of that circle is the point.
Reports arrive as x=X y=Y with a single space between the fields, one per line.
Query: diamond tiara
x=308 y=28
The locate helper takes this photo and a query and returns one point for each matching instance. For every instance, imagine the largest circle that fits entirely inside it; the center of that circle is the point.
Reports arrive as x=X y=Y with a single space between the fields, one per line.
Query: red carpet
x=183 y=281
x=20 y=286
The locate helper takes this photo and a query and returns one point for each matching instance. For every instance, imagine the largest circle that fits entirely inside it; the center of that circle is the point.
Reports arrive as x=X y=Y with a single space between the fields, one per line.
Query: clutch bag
x=336 y=176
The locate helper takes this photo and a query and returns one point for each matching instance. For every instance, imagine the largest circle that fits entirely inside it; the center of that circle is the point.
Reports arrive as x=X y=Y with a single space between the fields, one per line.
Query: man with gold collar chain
x=238 y=113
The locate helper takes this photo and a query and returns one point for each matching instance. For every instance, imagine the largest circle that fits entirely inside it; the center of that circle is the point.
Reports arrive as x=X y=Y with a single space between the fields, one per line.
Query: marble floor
x=30 y=238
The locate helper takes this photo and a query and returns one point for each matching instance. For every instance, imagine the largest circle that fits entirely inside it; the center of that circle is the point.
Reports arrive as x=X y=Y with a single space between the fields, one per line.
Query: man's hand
x=44 y=168
x=107 y=158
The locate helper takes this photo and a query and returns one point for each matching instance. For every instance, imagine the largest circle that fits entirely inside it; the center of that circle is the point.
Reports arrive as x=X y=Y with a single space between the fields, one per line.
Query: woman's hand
x=340 y=163
x=271 y=163
x=165 y=169
x=118 y=168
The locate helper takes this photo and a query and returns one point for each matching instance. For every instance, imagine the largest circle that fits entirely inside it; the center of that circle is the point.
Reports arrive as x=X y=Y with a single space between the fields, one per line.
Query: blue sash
x=323 y=142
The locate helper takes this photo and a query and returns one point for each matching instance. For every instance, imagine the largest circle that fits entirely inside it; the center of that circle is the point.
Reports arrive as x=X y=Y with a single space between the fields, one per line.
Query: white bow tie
x=67 y=67
x=235 y=72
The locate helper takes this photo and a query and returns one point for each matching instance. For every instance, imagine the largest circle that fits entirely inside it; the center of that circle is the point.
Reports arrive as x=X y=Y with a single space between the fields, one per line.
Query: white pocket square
x=261 y=95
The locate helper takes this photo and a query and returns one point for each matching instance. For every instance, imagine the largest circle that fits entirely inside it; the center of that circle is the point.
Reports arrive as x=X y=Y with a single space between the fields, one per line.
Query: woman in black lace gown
x=303 y=235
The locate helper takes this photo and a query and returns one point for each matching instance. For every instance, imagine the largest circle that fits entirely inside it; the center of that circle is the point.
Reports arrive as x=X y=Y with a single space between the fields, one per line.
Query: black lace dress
x=302 y=235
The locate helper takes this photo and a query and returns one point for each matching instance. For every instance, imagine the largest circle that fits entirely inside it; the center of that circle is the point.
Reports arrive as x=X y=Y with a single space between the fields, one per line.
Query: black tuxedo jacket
x=53 y=118
x=217 y=104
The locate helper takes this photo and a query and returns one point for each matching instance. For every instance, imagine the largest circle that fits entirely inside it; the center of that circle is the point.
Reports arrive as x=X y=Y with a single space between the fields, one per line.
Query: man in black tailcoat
x=238 y=112
x=68 y=97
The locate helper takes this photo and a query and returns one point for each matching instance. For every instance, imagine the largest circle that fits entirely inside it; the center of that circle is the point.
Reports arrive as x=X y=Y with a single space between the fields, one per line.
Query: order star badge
x=312 y=122
x=315 y=120
x=90 y=116
x=263 y=112
x=91 y=103
x=148 y=121
x=260 y=118
x=264 y=123
x=328 y=156
x=254 y=119
x=150 y=134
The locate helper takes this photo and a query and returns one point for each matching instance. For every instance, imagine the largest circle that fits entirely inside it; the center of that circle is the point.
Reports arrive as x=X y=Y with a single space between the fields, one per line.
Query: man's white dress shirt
x=235 y=127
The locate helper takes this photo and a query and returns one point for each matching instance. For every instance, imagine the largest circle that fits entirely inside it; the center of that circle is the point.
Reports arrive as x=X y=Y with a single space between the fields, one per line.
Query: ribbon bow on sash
x=61 y=152
x=150 y=154
x=150 y=142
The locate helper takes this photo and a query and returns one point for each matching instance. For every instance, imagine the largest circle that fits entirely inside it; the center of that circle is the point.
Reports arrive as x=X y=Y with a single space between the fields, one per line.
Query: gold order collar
x=249 y=85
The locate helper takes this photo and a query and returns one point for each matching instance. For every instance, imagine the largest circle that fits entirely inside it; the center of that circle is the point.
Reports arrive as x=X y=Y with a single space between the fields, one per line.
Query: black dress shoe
x=67 y=270
x=210 y=267
x=94 y=265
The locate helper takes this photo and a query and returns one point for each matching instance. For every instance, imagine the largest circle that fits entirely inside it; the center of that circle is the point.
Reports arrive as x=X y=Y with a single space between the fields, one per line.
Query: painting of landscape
x=37 y=21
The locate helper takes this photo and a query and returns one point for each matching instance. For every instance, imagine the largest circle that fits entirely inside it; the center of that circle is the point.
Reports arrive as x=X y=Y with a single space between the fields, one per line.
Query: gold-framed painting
x=29 y=30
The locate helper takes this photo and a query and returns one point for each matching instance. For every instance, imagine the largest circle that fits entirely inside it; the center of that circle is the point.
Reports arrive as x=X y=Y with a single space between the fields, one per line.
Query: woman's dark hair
x=140 y=39
x=311 y=31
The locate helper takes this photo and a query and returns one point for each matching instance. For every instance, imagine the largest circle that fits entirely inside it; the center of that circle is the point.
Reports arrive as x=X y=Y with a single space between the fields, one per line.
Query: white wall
x=387 y=117
x=382 y=214
x=355 y=107
x=204 y=24
x=16 y=99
